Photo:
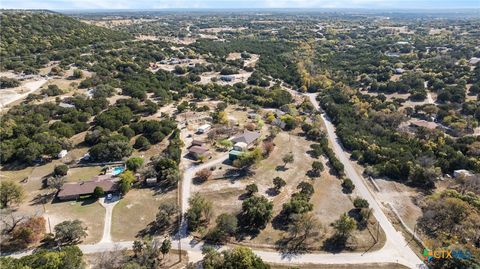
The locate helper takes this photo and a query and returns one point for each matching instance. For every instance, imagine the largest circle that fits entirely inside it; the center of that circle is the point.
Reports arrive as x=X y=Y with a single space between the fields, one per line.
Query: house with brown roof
x=198 y=152
x=72 y=191
x=247 y=137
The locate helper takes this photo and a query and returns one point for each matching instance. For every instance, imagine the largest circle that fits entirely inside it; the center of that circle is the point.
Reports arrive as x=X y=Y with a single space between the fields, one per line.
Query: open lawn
x=136 y=210
x=89 y=211
x=83 y=173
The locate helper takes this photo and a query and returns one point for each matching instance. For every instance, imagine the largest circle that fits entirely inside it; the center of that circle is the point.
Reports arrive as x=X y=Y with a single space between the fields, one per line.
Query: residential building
x=72 y=191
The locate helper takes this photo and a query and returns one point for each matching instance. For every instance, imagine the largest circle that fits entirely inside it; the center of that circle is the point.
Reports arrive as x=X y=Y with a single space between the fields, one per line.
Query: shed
x=234 y=154
x=151 y=181
x=203 y=128
x=197 y=142
x=240 y=146
x=62 y=153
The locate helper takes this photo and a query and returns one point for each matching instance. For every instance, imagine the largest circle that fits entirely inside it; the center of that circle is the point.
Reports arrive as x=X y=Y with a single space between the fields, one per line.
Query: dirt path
x=8 y=96
x=107 y=225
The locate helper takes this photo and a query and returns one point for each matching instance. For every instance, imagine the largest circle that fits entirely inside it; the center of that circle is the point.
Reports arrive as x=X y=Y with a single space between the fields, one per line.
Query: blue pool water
x=118 y=170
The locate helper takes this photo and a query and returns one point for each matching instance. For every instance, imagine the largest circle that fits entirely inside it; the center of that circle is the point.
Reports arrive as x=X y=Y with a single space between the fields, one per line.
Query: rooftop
x=247 y=137
x=86 y=187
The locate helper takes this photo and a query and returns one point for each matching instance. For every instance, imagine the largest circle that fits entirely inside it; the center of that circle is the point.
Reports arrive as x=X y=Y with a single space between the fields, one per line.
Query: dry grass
x=136 y=210
x=90 y=212
x=329 y=201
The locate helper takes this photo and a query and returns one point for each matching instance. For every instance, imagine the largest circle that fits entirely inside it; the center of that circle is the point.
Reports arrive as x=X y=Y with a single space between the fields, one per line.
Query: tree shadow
x=281 y=168
x=291 y=246
x=355 y=213
x=272 y=192
x=43 y=198
x=335 y=244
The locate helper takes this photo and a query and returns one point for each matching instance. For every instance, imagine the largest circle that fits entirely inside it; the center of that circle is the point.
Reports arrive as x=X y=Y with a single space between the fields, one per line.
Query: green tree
x=360 y=203
x=60 y=170
x=126 y=180
x=134 y=163
x=10 y=192
x=251 y=189
x=98 y=192
x=256 y=211
x=288 y=158
x=278 y=182
x=199 y=213
x=69 y=231
x=165 y=247
x=142 y=143
x=348 y=185
x=239 y=257
x=345 y=226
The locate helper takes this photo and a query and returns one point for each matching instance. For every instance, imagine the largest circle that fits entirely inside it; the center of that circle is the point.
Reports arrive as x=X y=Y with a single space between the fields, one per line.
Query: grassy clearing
x=136 y=210
x=88 y=211
x=83 y=173
x=329 y=201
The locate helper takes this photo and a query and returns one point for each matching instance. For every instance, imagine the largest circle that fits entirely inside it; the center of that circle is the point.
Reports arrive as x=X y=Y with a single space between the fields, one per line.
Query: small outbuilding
x=62 y=153
x=240 y=146
x=203 y=128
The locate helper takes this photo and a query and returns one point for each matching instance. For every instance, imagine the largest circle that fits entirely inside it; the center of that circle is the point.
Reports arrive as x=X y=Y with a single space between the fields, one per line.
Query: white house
x=62 y=153
x=240 y=146
x=203 y=128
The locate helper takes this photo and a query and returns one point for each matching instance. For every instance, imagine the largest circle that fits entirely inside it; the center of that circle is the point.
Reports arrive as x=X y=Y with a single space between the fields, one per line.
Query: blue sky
x=231 y=4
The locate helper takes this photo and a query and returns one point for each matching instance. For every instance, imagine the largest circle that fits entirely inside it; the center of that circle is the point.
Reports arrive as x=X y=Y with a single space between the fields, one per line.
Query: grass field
x=329 y=201
x=136 y=210
x=89 y=211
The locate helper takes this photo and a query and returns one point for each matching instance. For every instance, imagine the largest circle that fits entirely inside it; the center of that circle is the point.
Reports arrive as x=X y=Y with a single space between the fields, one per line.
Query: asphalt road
x=395 y=250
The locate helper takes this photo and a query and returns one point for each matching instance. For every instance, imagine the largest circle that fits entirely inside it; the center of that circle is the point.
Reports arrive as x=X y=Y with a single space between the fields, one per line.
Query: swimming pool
x=118 y=170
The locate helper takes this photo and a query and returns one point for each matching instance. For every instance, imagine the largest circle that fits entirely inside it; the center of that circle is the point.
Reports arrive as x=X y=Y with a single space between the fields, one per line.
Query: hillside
x=35 y=38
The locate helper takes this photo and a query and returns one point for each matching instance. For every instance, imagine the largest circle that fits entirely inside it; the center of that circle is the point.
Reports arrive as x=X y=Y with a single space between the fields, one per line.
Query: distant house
x=247 y=137
x=203 y=128
x=72 y=191
x=278 y=122
x=399 y=70
x=198 y=152
x=424 y=124
x=462 y=173
x=227 y=78
x=65 y=105
x=252 y=115
x=197 y=142
x=474 y=60
x=62 y=153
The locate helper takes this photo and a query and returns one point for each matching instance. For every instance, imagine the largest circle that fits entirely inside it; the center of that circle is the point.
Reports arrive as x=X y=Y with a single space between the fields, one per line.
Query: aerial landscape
x=225 y=134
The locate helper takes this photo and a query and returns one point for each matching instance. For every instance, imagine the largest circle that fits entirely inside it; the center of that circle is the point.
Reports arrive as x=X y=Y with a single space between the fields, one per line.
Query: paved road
x=396 y=247
x=395 y=250
x=186 y=187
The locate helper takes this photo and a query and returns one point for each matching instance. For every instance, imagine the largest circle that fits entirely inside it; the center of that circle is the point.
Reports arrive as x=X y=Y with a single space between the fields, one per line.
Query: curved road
x=395 y=250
